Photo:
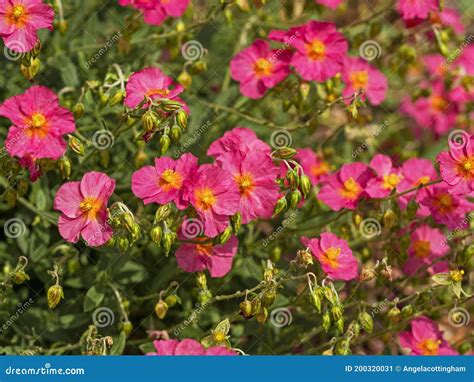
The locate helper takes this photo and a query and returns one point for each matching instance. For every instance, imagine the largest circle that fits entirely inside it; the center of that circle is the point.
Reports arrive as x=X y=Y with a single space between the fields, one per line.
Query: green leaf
x=119 y=344
x=93 y=298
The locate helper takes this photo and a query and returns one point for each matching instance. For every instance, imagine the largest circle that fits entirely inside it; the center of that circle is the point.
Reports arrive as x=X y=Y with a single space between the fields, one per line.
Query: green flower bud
x=292 y=179
x=365 y=320
x=123 y=243
x=236 y=222
x=390 y=218
x=412 y=208
x=78 y=110
x=305 y=185
x=340 y=324
x=168 y=240
x=117 y=98
x=170 y=105
x=256 y=306
x=294 y=198
x=285 y=153
x=204 y=296
x=126 y=327
x=156 y=234
x=224 y=236
x=65 y=166
x=315 y=300
x=128 y=221
x=163 y=212
x=175 y=134
x=76 y=145
x=262 y=315
x=407 y=311
x=269 y=297
x=185 y=79
x=150 y=121
x=54 y=295
x=20 y=277
x=201 y=280
x=326 y=324
x=336 y=312
x=161 y=308
x=165 y=142
x=172 y=300
x=280 y=206
x=182 y=119
x=394 y=315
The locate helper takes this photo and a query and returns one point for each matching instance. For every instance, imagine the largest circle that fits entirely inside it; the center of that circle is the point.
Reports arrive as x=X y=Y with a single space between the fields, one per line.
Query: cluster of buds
x=30 y=63
x=381 y=268
x=160 y=232
x=325 y=299
x=126 y=230
x=164 y=117
x=296 y=185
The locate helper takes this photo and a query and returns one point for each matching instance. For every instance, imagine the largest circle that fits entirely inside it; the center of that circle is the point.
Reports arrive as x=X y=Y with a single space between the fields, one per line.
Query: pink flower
x=313 y=166
x=188 y=347
x=215 y=197
x=20 y=21
x=345 y=188
x=151 y=83
x=359 y=76
x=446 y=208
x=388 y=177
x=254 y=175
x=84 y=209
x=457 y=165
x=334 y=255
x=156 y=11
x=201 y=255
x=437 y=112
x=451 y=18
x=466 y=60
x=436 y=64
x=426 y=245
x=416 y=172
x=259 y=68
x=39 y=124
x=239 y=139
x=320 y=49
x=419 y=9
x=32 y=165
x=165 y=181
x=425 y=338
x=333 y=4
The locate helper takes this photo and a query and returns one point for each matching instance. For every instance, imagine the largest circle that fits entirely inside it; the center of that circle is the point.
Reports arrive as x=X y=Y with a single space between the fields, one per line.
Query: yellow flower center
x=37 y=125
x=350 y=190
x=423 y=180
x=170 y=180
x=444 y=202
x=438 y=103
x=316 y=50
x=466 y=167
x=422 y=248
x=204 y=249
x=429 y=346
x=319 y=169
x=90 y=206
x=156 y=92
x=17 y=16
x=330 y=257
x=245 y=183
x=205 y=198
x=359 y=79
x=263 y=68
x=390 y=181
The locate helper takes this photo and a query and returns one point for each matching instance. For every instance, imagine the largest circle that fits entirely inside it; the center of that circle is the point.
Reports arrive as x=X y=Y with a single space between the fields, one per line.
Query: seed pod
x=161 y=308
x=165 y=142
x=394 y=315
x=246 y=309
x=365 y=320
x=269 y=297
x=55 y=294
x=367 y=274
x=20 y=277
x=262 y=315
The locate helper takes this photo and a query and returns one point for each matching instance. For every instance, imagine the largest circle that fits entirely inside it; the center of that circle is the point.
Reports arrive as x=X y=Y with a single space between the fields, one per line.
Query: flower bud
x=315 y=300
x=165 y=142
x=201 y=280
x=78 y=110
x=412 y=208
x=20 y=277
x=294 y=198
x=367 y=274
x=161 y=308
x=55 y=294
x=182 y=119
x=305 y=185
x=198 y=67
x=204 y=296
x=170 y=105
x=292 y=179
x=304 y=90
x=394 y=315
x=64 y=165
x=387 y=272
x=29 y=72
x=149 y=120
x=223 y=237
x=357 y=219
x=156 y=234
x=117 y=98
x=336 y=312
x=236 y=222
x=390 y=218
x=128 y=221
x=185 y=79
x=246 y=309
x=168 y=240
x=340 y=324
x=104 y=99
x=407 y=311
x=285 y=153
x=125 y=327
x=365 y=320
x=269 y=297
x=256 y=305
x=172 y=300
x=280 y=206
x=163 y=212
x=175 y=133
x=123 y=243
x=62 y=26
x=326 y=324
x=262 y=315
x=76 y=145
